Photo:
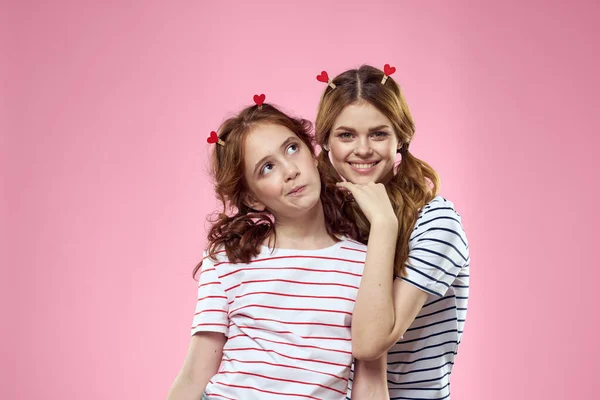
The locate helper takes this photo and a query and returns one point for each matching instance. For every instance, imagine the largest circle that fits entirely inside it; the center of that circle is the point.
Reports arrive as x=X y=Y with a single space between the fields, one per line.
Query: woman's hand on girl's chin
x=374 y=202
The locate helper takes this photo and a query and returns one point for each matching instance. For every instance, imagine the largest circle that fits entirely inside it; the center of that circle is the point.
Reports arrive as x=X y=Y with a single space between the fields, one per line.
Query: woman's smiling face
x=362 y=144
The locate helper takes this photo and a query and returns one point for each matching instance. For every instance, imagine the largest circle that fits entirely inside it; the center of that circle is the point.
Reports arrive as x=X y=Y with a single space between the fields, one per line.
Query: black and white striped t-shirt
x=419 y=365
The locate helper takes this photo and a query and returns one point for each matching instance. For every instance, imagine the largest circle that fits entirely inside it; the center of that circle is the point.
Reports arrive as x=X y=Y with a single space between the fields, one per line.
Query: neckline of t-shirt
x=334 y=246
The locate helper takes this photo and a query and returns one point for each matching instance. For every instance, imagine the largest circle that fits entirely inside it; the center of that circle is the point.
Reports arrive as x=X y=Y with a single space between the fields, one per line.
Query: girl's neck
x=307 y=232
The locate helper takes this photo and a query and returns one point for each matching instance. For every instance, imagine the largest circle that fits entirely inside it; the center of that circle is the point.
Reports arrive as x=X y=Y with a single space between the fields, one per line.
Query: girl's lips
x=296 y=191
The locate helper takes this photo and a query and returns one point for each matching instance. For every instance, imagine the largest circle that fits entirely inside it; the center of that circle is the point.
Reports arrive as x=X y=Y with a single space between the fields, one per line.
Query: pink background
x=105 y=108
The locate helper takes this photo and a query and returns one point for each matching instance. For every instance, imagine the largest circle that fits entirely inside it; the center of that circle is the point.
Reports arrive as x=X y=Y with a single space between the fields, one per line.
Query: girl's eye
x=266 y=169
x=292 y=148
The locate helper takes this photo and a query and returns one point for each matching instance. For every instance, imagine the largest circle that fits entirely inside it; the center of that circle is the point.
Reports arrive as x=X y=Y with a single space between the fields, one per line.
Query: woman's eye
x=380 y=134
x=266 y=169
x=345 y=135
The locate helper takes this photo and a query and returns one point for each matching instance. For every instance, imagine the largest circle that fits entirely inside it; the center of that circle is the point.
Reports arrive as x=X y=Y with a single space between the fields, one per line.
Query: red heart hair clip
x=387 y=71
x=214 y=138
x=324 y=77
x=259 y=100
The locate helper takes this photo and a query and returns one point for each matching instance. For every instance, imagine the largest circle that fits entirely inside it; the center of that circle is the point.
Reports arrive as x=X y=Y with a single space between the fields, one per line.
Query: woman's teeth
x=363 y=166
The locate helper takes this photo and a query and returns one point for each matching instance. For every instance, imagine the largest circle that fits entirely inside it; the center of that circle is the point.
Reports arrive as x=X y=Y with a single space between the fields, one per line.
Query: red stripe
x=220 y=395
x=281 y=380
x=286 y=356
x=293 y=295
x=290 y=309
x=203 y=324
x=307 y=346
x=268 y=391
x=355 y=242
x=291 y=322
x=216 y=252
x=350 y=248
x=288 y=332
x=210 y=310
x=212 y=297
x=285 y=366
x=208 y=283
x=289 y=281
x=291 y=268
x=283 y=257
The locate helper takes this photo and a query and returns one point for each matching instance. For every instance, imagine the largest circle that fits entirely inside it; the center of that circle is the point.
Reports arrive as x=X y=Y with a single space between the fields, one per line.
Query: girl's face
x=280 y=171
x=362 y=144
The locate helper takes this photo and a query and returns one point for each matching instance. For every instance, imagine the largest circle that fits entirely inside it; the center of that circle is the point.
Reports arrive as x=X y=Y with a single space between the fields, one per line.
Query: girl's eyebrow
x=346 y=129
x=283 y=146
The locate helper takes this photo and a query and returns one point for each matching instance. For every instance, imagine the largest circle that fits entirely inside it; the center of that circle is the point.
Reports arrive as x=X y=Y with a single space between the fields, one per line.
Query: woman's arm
x=437 y=256
x=384 y=307
x=370 y=380
x=201 y=363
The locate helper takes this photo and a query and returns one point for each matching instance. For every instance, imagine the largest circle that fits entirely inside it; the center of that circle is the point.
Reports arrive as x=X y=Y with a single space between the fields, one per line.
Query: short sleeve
x=212 y=307
x=438 y=249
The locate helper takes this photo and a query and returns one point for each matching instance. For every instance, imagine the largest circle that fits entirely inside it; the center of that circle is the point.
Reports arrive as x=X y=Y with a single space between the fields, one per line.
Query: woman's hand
x=373 y=200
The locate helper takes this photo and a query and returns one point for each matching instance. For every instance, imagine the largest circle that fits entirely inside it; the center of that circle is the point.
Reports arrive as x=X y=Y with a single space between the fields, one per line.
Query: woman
x=413 y=296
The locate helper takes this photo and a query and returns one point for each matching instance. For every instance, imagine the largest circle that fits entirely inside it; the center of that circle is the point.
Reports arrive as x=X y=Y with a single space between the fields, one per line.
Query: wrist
x=387 y=224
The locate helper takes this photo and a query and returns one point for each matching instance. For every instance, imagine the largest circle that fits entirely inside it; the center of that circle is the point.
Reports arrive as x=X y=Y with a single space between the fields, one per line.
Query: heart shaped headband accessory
x=387 y=71
x=214 y=138
x=324 y=77
x=259 y=99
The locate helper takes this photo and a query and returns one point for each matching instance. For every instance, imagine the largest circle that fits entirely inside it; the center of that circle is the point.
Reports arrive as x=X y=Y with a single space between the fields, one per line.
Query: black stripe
x=420 y=398
x=463 y=297
x=461 y=286
x=421 y=359
x=436 y=312
x=439 y=255
x=417 y=388
x=421 y=370
x=422 y=287
x=430 y=336
x=438 y=300
x=442 y=229
x=421 y=381
x=427 y=276
x=424 y=348
x=446 y=243
x=436 y=218
x=439 y=208
x=432 y=324
x=434 y=266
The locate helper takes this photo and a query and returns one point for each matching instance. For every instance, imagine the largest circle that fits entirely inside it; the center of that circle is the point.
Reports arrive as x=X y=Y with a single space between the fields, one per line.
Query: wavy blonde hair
x=414 y=183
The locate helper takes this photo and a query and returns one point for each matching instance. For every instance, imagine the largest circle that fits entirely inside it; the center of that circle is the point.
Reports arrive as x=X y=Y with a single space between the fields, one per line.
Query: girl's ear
x=253 y=203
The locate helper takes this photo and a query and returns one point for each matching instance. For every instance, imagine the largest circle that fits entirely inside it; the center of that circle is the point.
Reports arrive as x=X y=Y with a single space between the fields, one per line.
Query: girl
x=413 y=295
x=278 y=282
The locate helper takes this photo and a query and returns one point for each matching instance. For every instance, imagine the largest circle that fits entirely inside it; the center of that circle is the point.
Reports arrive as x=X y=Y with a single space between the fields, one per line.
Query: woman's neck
x=306 y=232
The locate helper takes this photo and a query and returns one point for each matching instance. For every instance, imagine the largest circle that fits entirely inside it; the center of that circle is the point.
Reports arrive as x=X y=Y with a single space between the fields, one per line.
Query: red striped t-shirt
x=287 y=316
